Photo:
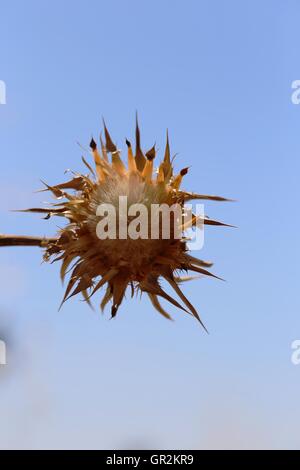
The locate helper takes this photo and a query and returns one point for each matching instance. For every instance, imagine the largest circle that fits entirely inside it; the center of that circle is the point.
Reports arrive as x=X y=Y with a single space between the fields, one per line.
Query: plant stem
x=19 y=240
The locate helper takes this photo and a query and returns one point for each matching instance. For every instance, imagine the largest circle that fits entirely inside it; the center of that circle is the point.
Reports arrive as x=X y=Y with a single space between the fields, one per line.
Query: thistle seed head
x=119 y=262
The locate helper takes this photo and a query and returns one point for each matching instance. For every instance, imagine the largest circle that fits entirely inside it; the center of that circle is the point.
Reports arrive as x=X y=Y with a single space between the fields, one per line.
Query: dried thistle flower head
x=119 y=262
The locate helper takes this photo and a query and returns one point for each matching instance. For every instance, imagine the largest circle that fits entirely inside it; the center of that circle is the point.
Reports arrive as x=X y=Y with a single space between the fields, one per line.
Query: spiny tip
x=167 y=149
x=110 y=146
x=93 y=144
x=128 y=143
x=184 y=171
x=137 y=131
x=114 y=310
x=151 y=153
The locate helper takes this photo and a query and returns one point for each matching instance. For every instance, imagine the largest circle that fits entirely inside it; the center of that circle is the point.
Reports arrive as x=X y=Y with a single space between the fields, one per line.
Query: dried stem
x=19 y=240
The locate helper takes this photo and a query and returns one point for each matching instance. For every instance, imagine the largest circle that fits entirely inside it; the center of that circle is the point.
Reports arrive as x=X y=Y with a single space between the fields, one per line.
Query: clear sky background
x=218 y=75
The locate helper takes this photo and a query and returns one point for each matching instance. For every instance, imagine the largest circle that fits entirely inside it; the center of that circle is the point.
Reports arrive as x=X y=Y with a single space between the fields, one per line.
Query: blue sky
x=218 y=75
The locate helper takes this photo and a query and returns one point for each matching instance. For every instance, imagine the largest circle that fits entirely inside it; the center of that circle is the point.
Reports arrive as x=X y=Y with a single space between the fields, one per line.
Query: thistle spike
x=139 y=156
x=166 y=164
x=178 y=179
x=152 y=287
x=88 y=166
x=97 y=159
x=106 y=298
x=150 y=155
x=110 y=146
x=148 y=171
x=103 y=149
x=148 y=168
x=198 y=262
x=185 y=300
x=96 y=154
x=118 y=290
x=190 y=196
x=106 y=278
x=167 y=157
x=93 y=144
x=131 y=161
x=160 y=175
x=156 y=304
x=117 y=164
